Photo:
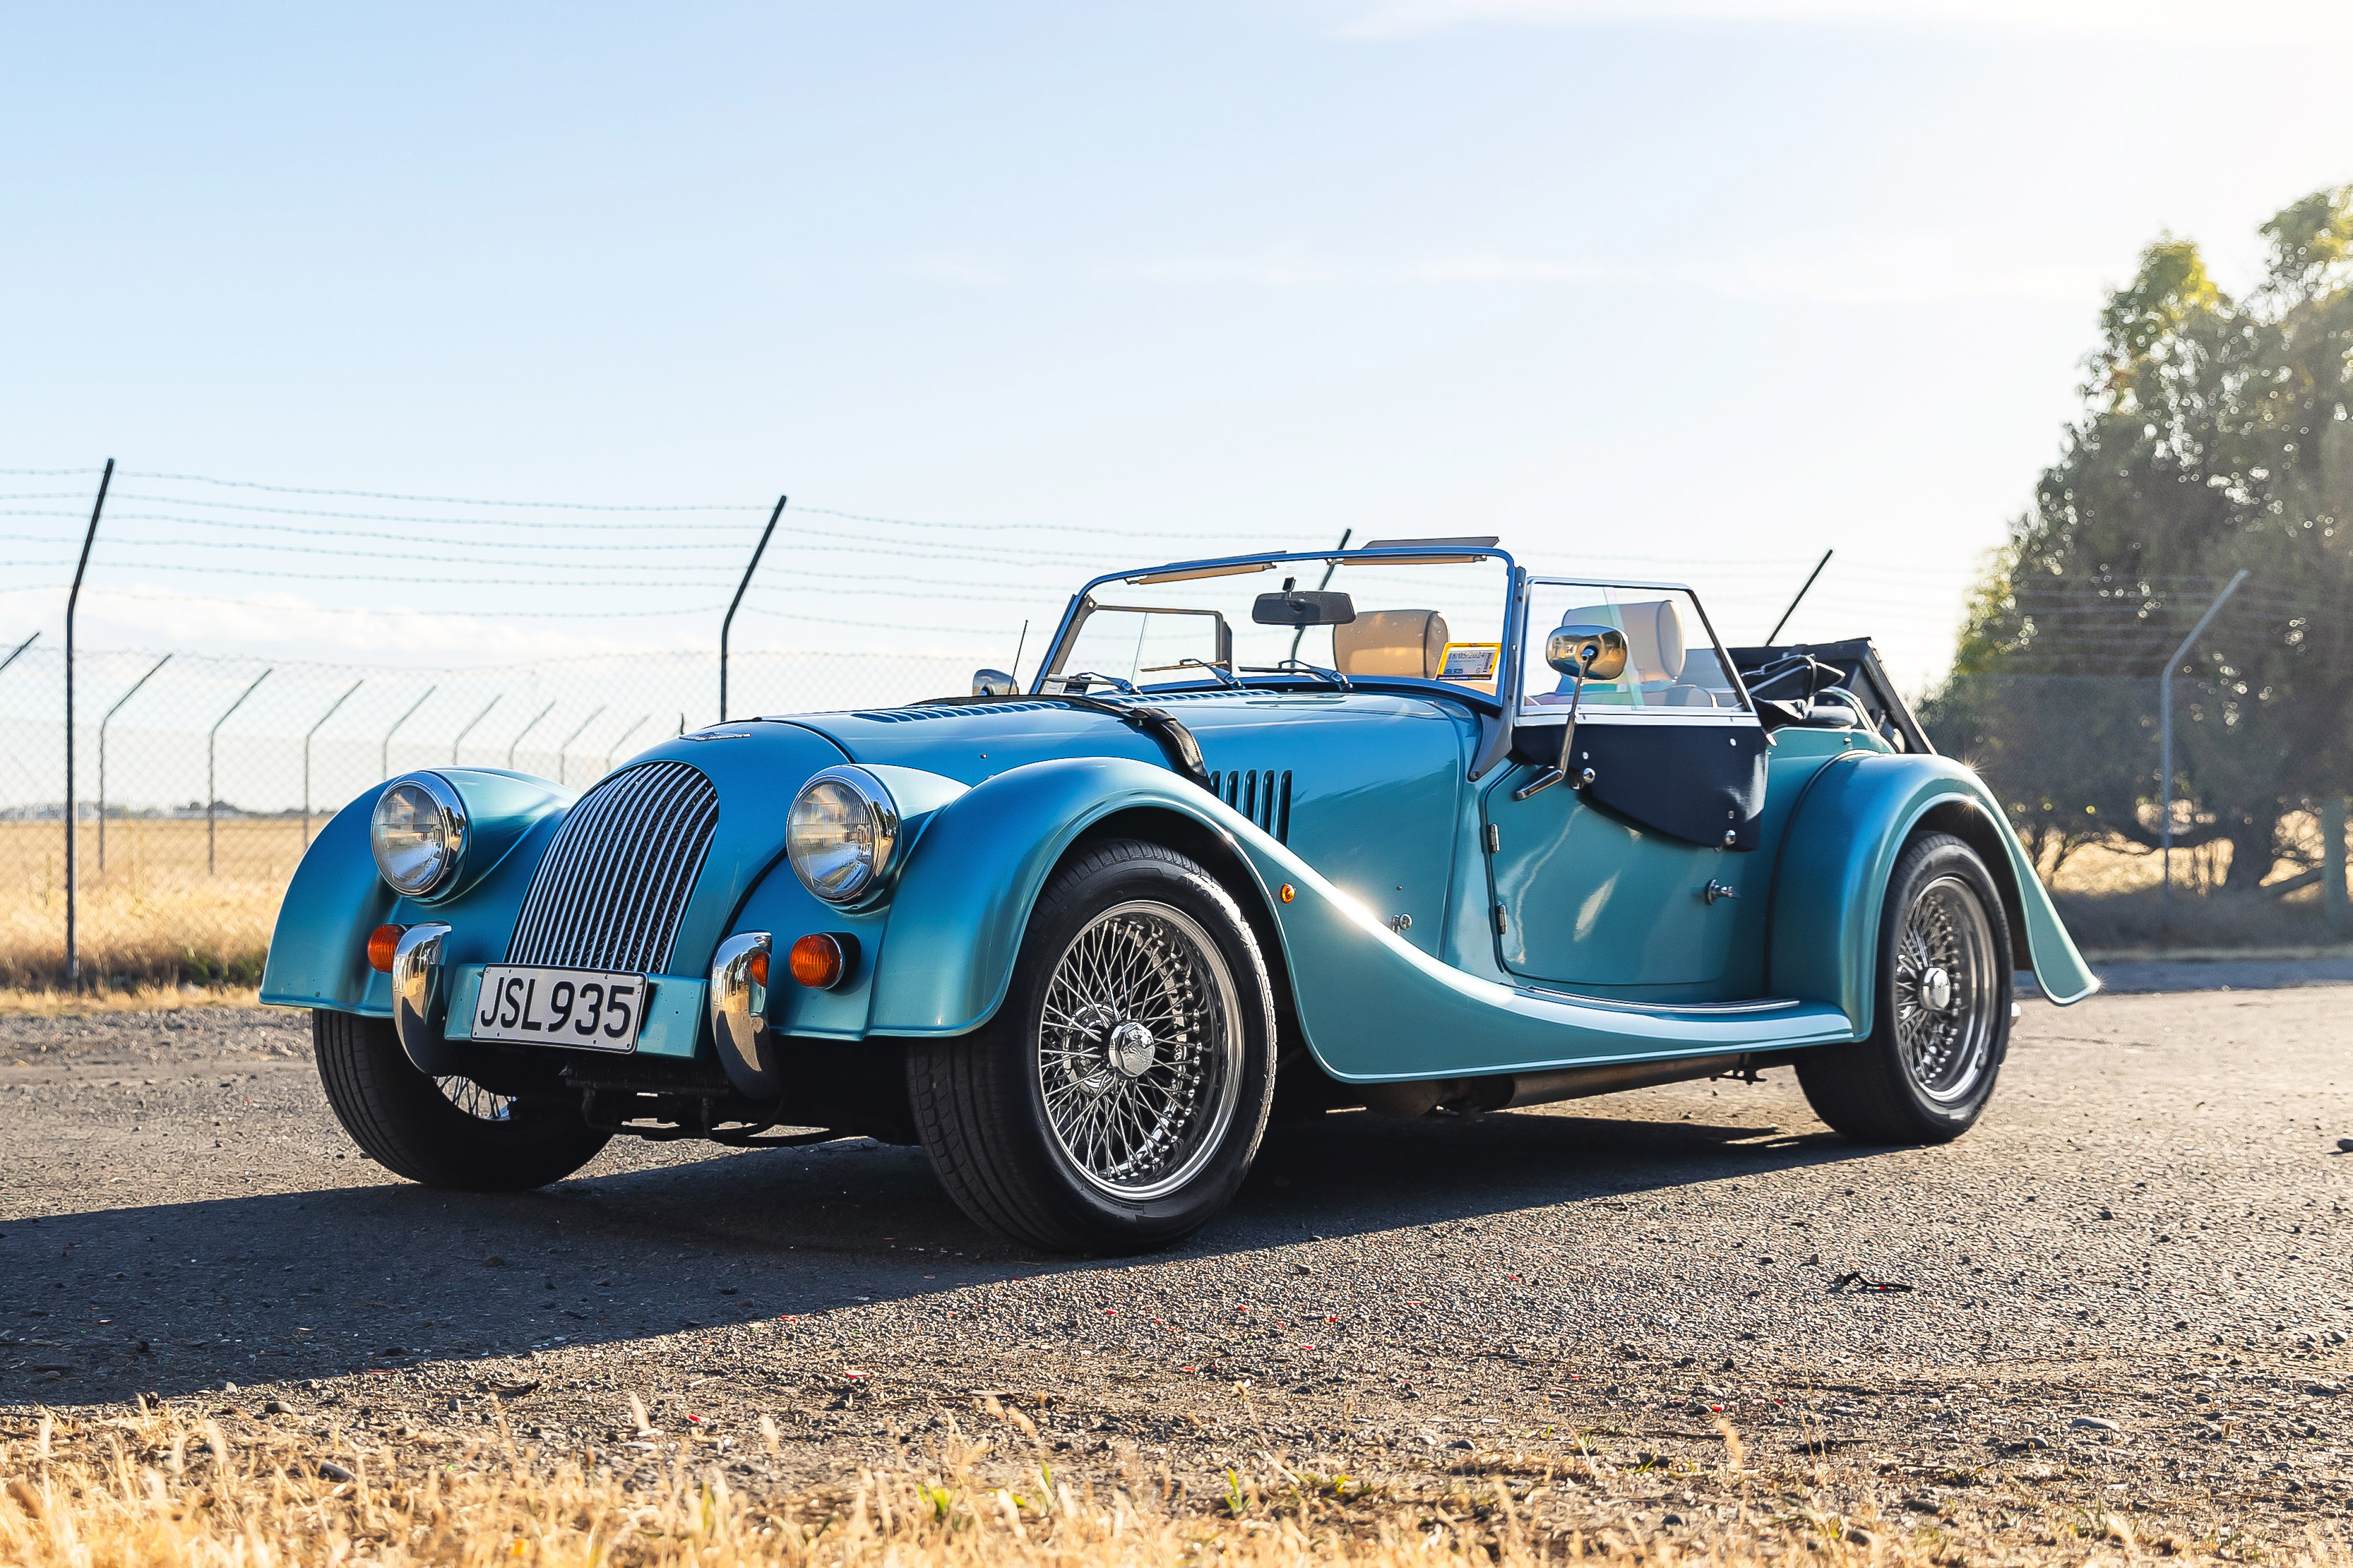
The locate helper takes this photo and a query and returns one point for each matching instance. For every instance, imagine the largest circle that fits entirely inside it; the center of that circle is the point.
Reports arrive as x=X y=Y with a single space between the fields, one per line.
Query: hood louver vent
x=918 y=715
x=1263 y=796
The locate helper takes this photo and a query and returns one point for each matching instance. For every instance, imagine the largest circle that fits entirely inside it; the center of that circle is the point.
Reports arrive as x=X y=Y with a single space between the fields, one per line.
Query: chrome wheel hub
x=1946 y=990
x=1936 y=990
x=1139 y=1050
x=1131 y=1047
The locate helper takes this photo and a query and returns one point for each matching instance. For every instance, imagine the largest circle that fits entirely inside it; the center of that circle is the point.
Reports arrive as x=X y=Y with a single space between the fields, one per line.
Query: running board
x=1505 y=1092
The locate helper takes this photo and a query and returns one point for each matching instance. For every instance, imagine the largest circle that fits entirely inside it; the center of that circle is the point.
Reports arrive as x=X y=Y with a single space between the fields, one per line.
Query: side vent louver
x=1263 y=796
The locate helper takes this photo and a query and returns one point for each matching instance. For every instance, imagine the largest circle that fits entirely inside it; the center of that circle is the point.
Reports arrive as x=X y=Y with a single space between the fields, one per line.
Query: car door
x=1626 y=873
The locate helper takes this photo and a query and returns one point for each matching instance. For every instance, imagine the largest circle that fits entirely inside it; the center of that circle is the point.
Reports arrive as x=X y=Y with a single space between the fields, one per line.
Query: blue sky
x=1692 y=289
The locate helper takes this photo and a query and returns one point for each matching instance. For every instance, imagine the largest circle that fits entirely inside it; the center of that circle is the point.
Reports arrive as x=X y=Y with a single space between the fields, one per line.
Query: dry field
x=156 y=915
x=166 y=1484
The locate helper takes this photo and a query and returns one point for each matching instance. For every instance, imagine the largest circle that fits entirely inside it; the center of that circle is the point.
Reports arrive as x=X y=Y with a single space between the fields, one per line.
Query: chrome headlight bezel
x=450 y=814
x=873 y=800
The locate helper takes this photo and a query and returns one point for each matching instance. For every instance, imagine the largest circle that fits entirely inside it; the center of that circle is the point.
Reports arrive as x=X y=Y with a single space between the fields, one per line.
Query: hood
x=972 y=743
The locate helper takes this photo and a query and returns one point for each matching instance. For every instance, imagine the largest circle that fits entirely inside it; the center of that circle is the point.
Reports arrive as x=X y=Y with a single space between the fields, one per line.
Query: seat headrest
x=1654 y=635
x=1391 y=642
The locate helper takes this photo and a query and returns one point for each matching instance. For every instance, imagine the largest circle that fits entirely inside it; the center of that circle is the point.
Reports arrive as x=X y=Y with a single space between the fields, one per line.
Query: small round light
x=840 y=834
x=383 y=945
x=819 y=962
x=418 y=834
x=1289 y=892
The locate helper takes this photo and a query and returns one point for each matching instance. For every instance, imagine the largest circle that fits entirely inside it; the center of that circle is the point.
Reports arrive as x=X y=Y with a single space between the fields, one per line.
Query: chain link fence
x=200 y=779
x=2255 y=802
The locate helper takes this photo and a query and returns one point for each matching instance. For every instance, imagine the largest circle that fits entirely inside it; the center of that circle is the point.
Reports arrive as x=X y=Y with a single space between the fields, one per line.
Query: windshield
x=1401 y=617
x=1673 y=666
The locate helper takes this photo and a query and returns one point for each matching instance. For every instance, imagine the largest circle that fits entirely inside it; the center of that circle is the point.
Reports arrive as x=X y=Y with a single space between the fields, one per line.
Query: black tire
x=403 y=1121
x=1936 y=1046
x=1196 y=1081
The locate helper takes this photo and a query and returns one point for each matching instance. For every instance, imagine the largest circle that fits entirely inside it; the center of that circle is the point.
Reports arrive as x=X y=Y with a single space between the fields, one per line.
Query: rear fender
x=1843 y=840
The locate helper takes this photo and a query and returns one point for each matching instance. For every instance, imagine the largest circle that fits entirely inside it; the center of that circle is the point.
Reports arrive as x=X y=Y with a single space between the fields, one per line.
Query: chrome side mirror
x=1596 y=653
x=1583 y=654
x=991 y=683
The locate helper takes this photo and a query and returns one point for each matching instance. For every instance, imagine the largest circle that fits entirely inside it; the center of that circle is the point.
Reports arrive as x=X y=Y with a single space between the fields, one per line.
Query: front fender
x=1840 y=847
x=963 y=902
x=317 y=954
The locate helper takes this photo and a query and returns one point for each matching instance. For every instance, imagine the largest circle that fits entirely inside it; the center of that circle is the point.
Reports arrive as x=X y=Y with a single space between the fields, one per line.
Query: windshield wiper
x=1225 y=677
x=1294 y=667
x=1127 y=687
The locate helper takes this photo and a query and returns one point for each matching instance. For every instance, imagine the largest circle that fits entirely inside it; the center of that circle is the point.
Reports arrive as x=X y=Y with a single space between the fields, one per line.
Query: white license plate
x=575 y=1008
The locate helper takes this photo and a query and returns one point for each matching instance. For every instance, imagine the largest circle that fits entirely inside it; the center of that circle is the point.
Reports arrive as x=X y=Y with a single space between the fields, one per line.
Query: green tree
x=2214 y=437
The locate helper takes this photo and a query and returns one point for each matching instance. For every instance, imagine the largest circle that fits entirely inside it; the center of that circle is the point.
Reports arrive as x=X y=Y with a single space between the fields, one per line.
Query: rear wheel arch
x=1967 y=820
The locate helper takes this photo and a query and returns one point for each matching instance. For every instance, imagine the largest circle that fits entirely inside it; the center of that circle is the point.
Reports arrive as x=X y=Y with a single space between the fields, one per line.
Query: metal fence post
x=102 y=723
x=313 y=729
x=2332 y=866
x=567 y=741
x=2165 y=728
x=383 y=758
x=728 y=625
x=469 y=728
x=526 y=729
x=73 y=599
x=212 y=791
x=643 y=720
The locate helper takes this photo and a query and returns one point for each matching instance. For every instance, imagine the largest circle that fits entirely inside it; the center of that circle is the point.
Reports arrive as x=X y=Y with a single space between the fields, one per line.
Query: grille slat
x=612 y=889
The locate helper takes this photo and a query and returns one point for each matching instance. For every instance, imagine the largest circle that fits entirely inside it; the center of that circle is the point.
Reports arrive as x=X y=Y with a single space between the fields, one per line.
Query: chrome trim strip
x=415 y=984
x=739 y=1016
x=1702 y=1009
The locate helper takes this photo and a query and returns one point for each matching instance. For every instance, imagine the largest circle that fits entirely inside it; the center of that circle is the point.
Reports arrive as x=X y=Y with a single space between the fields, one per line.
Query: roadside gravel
x=2128 y=1289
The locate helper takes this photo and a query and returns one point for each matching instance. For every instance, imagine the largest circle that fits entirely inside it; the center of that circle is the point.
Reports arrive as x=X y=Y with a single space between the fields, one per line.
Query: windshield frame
x=1516 y=580
x=1527 y=587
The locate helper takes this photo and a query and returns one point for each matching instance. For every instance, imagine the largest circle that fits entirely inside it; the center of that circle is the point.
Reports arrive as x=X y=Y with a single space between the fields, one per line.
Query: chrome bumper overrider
x=739 y=1016
x=415 y=986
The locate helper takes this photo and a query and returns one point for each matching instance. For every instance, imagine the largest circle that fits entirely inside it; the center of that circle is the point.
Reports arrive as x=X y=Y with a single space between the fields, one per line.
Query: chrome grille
x=613 y=888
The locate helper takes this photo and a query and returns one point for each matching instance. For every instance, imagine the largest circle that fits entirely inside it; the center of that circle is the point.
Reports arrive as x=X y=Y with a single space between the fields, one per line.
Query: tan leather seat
x=1391 y=642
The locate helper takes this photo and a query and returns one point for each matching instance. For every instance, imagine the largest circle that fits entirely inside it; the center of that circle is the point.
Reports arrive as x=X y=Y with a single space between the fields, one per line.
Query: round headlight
x=418 y=834
x=843 y=827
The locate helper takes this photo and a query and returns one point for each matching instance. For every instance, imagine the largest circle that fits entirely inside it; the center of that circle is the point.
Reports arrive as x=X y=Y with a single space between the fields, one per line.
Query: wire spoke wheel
x=1139 y=1051
x=1946 y=990
x=475 y=1100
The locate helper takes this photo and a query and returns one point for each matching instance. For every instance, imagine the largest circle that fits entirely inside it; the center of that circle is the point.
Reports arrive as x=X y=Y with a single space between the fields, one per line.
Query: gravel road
x=2126 y=1291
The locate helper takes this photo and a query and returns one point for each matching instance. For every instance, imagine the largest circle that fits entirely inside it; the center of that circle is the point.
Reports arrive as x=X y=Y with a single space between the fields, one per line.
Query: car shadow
x=177 y=1298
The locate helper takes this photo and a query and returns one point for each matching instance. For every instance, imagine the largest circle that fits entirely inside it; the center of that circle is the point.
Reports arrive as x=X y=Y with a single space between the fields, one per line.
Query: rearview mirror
x=991 y=683
x=1302 y=607
x=1598 y=653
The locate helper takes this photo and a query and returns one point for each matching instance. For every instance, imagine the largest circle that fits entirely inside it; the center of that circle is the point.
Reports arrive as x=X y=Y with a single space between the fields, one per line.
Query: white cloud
x=2178 y=21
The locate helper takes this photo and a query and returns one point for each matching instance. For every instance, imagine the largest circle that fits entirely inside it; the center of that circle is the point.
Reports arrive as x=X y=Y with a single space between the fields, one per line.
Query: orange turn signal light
x=758 y=968
x=382 y=943
x=823 y=960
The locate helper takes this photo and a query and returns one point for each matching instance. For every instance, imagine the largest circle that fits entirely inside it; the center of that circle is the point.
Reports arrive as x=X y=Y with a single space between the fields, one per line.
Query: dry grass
x=163 y=1487
x=155 y=915
x=52 y=1003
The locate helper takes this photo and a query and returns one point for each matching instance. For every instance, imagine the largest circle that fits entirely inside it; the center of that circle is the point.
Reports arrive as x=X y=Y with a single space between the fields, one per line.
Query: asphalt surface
x=2128 y=1287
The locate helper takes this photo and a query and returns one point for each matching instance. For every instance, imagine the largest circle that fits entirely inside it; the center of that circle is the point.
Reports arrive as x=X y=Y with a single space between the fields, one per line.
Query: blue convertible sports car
x=1404 y=826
